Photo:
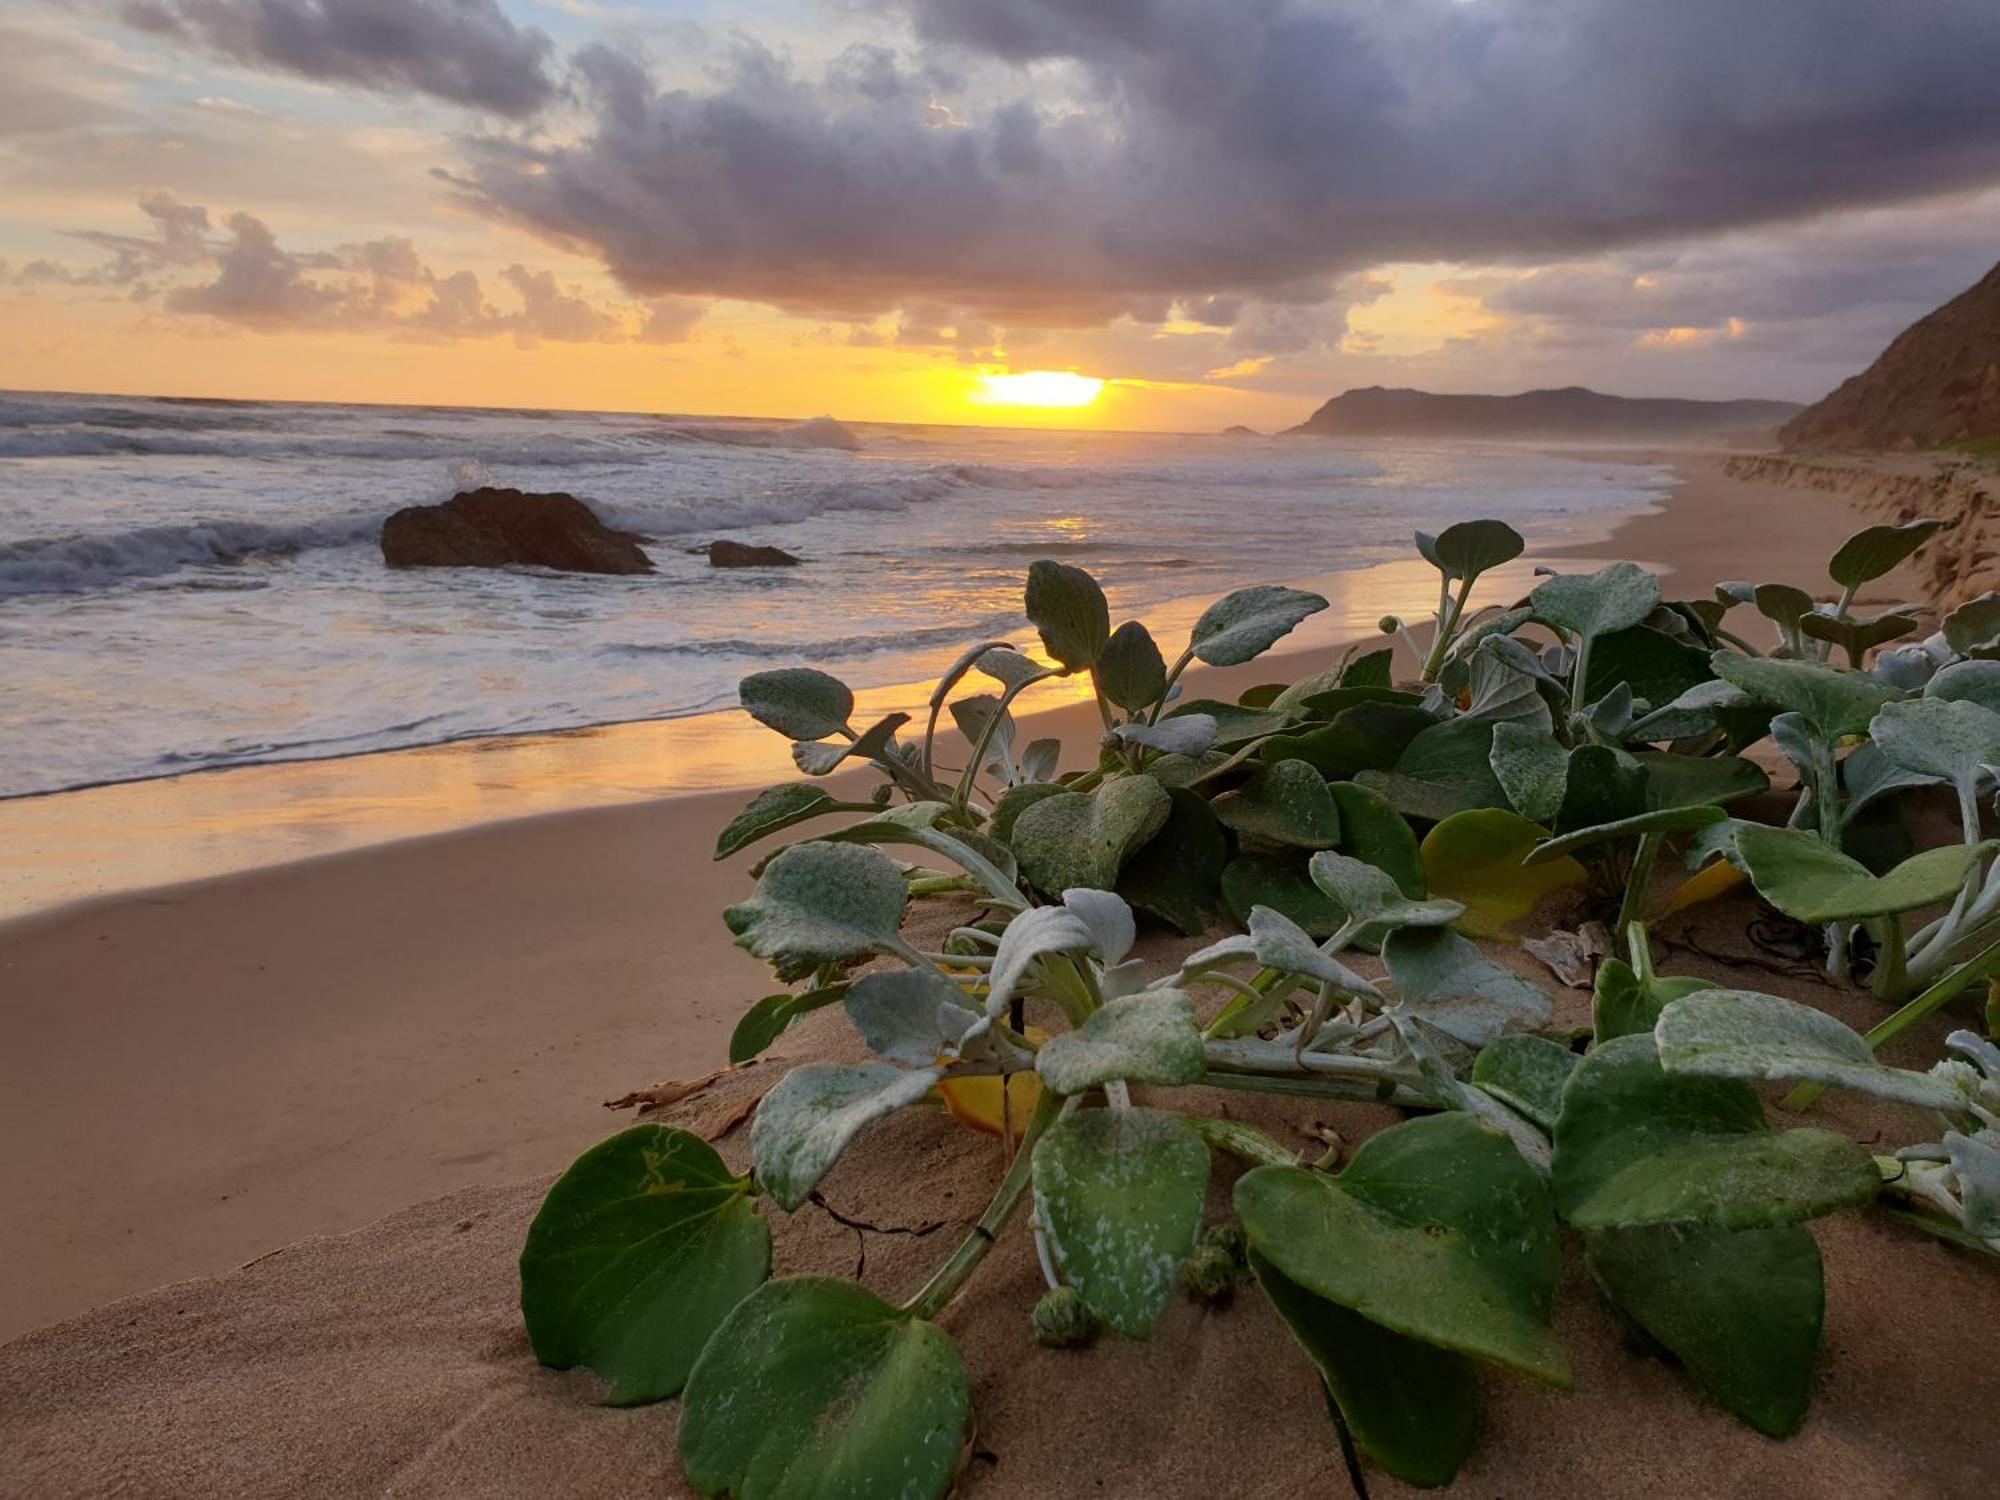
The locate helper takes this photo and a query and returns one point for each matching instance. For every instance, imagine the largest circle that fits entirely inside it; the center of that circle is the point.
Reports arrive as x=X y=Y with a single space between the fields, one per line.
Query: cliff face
x=1936 y=385
x=1572 y=412
x=1954 y=566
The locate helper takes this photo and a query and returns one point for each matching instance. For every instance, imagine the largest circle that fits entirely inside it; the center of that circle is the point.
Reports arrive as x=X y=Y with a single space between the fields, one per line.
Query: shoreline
x=298 y=1049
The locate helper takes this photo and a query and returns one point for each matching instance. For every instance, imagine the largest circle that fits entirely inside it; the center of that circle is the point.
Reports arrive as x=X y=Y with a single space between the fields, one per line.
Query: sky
x=1147 y=214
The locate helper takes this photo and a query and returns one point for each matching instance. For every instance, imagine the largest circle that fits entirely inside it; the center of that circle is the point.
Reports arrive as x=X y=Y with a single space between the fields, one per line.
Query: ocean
x=193 y=584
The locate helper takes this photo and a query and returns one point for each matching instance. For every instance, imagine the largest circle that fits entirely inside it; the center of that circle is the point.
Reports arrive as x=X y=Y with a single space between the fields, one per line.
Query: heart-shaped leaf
x=1797 y=873
x=820 y=903
x=1877 y=550
x=1699 y=780
x=636 y=1256
x=801 y=703
x=1446 y=769
x=1282 y=885
x=1650 y=663
x=1967 y=682
x=1145 y=1038
x=1465 y=550
x=1743 y=1034
x=1130 y=669
x=1499 y=692
x=1287 y=802
x=1533 y=770
x=1017 y=800
x=1412 y=1407
x=1119 y=1194
x=1834 y=701
x=1953 y=739
x=1456 y=988
x=1639 y=1145
x=1475 y=857
x=1588 y=605
x=909 y=1016
x=1084 y=838
x=1602 y=786
x=1527 y=1073
x=814 y=1388
x=1242 y=626
x=1740 y=1310
x=1375 y=833
x=1973 y=628
x=1437 y=1230
x=1070 y=611
x=1368 y=897
x=780 y=807
x=1365 y=736
x=1695 y=711
x=1177 y=874
x=764 y=1022
x=803 y=1124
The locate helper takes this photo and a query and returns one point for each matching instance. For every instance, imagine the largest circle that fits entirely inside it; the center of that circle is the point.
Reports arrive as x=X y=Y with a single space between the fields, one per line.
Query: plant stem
x=1316 y=1088
x=936 y=1294
x=1637 y=885
x=970 y=775
x=1983 y=965
x=1173 y=676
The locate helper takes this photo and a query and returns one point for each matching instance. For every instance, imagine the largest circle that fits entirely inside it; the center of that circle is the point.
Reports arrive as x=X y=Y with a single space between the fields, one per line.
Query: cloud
x=244 y=277
x=1067 y=162
x=464 y=52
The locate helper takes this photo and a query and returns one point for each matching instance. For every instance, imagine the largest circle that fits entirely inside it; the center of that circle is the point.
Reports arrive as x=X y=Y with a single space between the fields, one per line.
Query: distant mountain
x=1571 y=412
x=1239 y=430
x=1938 y=384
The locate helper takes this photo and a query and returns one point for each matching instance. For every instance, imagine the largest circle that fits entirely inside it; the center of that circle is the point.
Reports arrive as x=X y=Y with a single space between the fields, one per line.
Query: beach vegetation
x=1346 y=845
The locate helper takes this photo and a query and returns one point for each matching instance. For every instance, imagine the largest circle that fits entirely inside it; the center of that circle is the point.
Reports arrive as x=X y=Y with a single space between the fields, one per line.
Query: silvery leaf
x=801 y=703
x=877 y=742
x=1692 y=713
x=1368 y=896
x=1448 y=982
x=1145 y=1038
x=1109 y=919
x=1183 y=734
x=1589 y=605
x=821 y=903
x=1041 y=760
x=804 y=1123
x=1975 y=1162
x=1037 y=931
x=909 y=1015
x=1245 y=624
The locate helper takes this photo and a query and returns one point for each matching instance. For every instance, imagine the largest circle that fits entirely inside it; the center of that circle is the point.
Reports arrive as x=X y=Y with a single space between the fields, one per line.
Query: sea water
x=193 y=584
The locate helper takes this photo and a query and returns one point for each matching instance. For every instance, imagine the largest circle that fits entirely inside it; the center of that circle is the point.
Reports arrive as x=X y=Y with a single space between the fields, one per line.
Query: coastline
x=297 y=1049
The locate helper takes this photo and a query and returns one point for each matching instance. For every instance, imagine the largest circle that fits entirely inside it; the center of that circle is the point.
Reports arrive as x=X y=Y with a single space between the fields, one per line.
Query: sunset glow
x=1061 y=389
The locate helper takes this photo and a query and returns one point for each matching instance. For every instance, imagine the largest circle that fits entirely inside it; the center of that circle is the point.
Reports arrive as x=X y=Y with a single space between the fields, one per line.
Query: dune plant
x=1360 y=835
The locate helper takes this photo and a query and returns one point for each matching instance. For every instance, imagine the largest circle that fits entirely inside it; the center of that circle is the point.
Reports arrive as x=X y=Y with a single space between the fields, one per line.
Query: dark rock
x=496 y=528
x=743 y=555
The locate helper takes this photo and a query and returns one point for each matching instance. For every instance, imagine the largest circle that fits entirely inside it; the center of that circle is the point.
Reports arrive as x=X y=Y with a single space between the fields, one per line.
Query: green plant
x=1346 y=825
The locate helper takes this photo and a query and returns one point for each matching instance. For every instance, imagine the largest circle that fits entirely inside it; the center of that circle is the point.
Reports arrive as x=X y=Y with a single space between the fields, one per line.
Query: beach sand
x=199 y=1074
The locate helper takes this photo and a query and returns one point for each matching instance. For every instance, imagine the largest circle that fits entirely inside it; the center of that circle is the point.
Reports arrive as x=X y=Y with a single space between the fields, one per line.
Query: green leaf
x=1666 y=820
x=1696 y=711
x=803 y=1124
x=875 y=742
x=1968 y=682
x=1370 y=669
x=817 y=1389
x=801 y=703
x=764 y=1022
x=1590 y=605
x=1287 y=802
x=1626 y=1005
x=780 y=807
x=1639 y=1145
x=1244 y=625
x=1834 y=701
x=1699 y=780
x=1367 y=896
x=1412 y=1407
x=1190 y=735
x=1656 y=666
x=1234 y=724
x=1475 y=857
x=1456 y=988
x=1742 y=1034
x=1741 y=1311
x=1858 y=636
x=1437 y=1230
x=1526 y=1073
x=1972 y=628
x=1445 y=769
x=1532 y=769
x=1070 y=611
x=636 y=1256
x=1017 y=800
x=1177 y=874
x=1465 y=550
x=1130 y=669
x=1501 y=693
x=1119 y=1193
x=1364 y=736
x=1145 y=1038
x=1602 y=786
x=1084 y=838
x=1876 y=550
x=1010 y=668
x=1953 y=739
x=1803 y=878
x=820 y=903
x=1374 y=832
x=1284 y=886
x=909 y=1016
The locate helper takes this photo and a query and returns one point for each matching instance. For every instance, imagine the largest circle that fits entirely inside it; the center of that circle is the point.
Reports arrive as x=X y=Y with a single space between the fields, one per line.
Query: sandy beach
x=300 y=1049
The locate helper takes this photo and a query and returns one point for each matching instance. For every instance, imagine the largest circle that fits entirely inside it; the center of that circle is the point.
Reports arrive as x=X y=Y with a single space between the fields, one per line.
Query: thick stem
x=1637 y=885
x=936 y=1294
x=1318 y=1088
x=1891 y=977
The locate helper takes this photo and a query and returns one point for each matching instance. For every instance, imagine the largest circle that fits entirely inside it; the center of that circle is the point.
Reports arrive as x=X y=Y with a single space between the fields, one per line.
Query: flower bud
x=1062 y=1321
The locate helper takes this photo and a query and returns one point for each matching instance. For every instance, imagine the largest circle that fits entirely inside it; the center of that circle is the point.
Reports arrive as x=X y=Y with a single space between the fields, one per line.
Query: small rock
x=499 y=528
x=743 y=555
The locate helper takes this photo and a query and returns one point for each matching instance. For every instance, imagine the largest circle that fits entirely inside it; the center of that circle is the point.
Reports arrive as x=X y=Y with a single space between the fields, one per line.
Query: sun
x=1049 y=388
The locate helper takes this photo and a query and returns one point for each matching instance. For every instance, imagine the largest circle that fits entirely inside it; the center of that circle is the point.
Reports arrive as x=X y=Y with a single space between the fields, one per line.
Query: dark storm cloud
x=462 y=51
x=1162 y=150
